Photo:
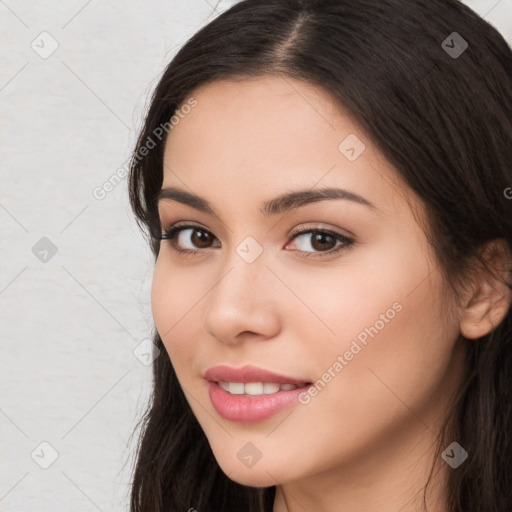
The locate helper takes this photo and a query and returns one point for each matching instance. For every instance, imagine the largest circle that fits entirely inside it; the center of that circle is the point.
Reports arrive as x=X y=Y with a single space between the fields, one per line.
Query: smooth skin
x=365 y=442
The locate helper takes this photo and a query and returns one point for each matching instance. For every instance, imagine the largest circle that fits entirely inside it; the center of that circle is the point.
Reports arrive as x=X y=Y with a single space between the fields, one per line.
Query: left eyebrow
x=279 y=204
x=286 y=202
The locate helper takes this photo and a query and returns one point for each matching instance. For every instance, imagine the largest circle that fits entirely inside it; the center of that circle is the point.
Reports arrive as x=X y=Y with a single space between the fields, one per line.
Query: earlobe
x=491 y=298
x=483 y=314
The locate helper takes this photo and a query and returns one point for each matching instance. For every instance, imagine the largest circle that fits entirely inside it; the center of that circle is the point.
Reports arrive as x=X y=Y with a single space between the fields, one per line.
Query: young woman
x=326 y=186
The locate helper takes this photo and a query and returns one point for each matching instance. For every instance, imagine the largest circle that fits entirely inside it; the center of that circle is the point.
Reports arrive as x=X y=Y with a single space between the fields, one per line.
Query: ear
x=488 y=302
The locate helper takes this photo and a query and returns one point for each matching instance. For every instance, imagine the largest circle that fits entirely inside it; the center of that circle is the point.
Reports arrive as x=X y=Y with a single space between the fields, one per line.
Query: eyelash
x=347 y=243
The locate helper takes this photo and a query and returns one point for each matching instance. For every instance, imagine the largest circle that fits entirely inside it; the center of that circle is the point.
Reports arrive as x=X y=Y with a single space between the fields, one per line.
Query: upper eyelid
x=163 y=205
x=301 y=230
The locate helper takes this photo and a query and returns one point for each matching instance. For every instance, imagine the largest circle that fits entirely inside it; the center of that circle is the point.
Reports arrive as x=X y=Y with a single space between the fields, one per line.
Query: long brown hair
x=441 y=113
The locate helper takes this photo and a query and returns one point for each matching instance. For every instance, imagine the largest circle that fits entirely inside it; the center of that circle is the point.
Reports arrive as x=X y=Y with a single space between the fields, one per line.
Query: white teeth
x=288 y=387
x=254 y=388
x=269 y=388
x=236 y=388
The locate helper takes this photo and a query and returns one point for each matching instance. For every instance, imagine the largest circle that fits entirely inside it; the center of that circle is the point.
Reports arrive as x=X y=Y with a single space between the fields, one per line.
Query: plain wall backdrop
x=75 y=279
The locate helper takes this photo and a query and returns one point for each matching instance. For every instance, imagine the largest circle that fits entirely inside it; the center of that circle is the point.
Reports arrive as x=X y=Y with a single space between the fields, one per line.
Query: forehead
x=265 y=135
x=276 y=114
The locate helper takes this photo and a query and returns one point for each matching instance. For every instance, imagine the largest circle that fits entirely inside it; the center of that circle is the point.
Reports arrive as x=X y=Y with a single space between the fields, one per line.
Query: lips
x=249 y=374
x=226 y=386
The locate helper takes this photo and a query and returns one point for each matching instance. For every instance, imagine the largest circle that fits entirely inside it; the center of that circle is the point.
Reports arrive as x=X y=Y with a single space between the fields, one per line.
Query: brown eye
x=200 y=238
x=182 y=236
x=321 y=241
x=191 y=239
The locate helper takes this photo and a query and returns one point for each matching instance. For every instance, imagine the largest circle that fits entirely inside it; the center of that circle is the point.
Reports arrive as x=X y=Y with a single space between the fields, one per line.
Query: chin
x=249 y=479
x=255 y=476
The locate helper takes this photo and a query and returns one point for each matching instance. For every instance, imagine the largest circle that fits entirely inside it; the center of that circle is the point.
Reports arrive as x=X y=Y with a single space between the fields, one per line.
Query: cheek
x=174 y=303
x=395 y=336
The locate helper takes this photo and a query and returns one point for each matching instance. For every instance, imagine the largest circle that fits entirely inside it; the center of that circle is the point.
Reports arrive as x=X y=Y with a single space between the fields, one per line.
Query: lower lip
x=250 y=409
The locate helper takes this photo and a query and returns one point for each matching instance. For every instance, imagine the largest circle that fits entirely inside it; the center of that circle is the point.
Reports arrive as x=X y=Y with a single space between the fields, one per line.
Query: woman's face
x=369 y=324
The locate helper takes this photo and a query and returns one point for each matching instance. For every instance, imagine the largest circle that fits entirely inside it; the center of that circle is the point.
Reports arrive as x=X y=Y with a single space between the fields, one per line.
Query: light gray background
x=69 y=325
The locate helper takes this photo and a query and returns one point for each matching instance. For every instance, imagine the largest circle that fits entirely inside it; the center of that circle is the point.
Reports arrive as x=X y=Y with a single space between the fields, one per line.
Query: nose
x=244 y=302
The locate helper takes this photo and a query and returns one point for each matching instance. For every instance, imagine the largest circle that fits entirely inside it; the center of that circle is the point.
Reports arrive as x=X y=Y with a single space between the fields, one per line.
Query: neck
x=388 y=480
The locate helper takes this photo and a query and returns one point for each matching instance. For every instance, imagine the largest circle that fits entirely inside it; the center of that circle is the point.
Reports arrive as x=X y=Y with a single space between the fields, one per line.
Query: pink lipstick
x=251 y=394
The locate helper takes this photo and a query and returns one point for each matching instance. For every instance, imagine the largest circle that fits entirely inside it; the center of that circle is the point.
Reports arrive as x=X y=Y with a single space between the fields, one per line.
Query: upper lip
x=248 y=374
